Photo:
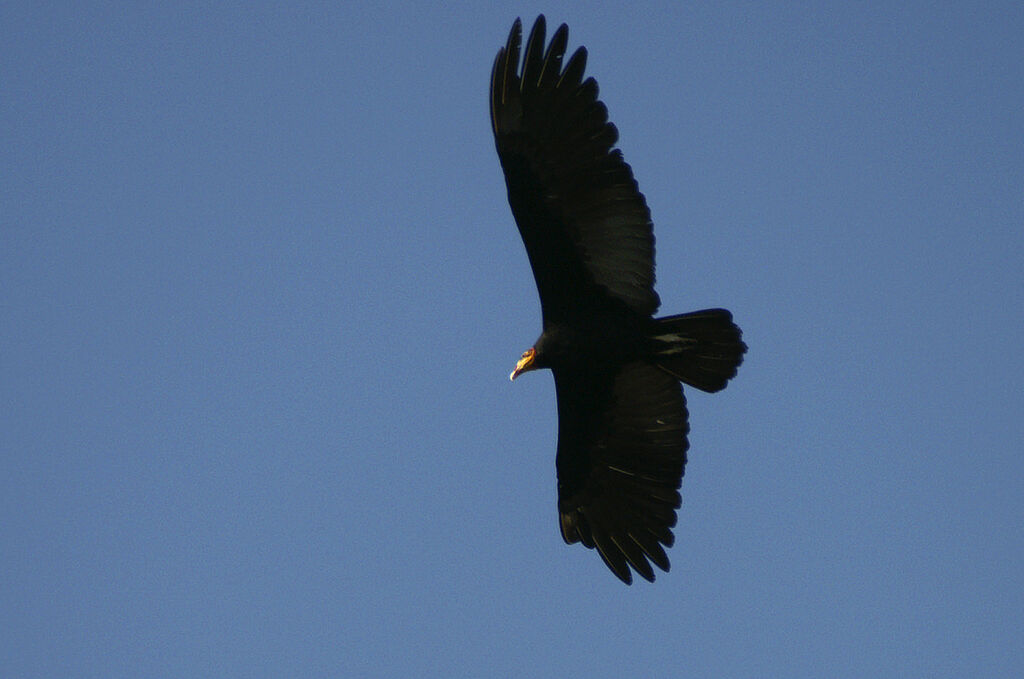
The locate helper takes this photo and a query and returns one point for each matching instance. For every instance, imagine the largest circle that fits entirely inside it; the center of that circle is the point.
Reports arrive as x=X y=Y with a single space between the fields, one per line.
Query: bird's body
x=622 y=417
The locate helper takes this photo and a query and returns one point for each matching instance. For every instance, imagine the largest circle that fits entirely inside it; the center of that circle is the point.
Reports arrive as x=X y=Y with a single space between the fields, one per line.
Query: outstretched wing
x=585 y=224
x=621 y=455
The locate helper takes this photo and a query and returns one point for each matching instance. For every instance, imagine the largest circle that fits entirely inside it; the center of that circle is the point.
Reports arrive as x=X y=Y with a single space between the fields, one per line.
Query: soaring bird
x=622 y=419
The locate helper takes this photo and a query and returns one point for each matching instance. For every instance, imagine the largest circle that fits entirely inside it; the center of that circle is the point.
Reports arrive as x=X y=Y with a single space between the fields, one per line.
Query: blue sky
x=260 y=293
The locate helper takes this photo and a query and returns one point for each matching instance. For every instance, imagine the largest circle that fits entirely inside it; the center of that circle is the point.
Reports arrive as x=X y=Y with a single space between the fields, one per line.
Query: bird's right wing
x=621 y=456
x=585 y=224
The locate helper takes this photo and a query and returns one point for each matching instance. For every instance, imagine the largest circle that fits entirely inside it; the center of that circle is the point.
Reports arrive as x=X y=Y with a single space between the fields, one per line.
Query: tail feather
x=701 y=348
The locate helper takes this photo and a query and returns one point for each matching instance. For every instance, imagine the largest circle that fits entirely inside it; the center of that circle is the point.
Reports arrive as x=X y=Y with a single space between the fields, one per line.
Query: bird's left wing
x=621 y=456
x=585 y=224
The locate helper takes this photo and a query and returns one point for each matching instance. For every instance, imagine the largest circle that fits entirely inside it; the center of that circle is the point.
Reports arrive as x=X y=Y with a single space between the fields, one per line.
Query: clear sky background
x=261 y=291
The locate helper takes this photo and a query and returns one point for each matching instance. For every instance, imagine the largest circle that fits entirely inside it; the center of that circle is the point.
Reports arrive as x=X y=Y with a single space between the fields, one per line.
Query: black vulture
x=622 y=419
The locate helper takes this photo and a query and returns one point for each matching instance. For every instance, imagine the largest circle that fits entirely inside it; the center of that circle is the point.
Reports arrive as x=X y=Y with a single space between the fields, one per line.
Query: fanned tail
x=701 y=348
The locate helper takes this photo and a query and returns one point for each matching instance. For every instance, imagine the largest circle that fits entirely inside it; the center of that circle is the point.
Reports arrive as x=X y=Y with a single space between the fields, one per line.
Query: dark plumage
x=622 y=420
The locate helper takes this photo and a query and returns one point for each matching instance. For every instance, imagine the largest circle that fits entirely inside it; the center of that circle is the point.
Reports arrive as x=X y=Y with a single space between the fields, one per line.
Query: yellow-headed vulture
x=622 y=420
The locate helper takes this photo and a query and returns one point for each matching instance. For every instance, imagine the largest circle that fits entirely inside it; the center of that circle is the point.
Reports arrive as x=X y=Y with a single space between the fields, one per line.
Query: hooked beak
x=525 y=363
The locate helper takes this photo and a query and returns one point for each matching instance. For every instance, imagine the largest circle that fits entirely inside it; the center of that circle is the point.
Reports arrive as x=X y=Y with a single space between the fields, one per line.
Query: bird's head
x=553 y=348
x=526 y=363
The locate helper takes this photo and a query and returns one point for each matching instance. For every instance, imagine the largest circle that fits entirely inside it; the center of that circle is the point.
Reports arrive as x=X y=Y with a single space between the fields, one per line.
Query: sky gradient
x=261 y=291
